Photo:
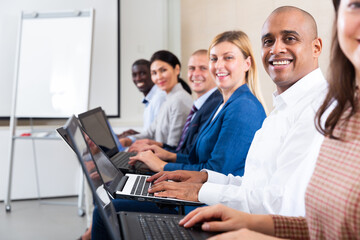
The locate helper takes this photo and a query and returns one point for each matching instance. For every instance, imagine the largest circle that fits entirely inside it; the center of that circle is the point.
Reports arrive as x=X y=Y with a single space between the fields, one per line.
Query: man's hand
x=138 y=147
x=179 y=176
x=150 y=159
x=125 y=142
x=179 y=190
x=127 y=133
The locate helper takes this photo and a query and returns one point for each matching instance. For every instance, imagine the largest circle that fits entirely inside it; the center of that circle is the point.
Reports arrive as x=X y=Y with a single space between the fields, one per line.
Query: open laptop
x=62 y=132
x=98 y=128
x=126 y=225
x=129 y=186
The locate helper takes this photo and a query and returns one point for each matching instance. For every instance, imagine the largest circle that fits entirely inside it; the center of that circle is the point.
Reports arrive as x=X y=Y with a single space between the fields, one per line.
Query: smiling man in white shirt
x=283 y=153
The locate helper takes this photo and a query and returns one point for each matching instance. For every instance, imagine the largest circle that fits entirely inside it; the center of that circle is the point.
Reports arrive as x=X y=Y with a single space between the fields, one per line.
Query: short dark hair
x=141 y=62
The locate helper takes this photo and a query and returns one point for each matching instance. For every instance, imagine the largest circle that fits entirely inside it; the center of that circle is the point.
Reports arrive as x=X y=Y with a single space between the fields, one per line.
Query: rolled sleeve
x=219 y=178
x=210 y=193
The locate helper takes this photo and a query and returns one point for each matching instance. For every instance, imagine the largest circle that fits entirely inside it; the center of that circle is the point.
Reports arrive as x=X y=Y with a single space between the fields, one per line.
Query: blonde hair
x=241 y=40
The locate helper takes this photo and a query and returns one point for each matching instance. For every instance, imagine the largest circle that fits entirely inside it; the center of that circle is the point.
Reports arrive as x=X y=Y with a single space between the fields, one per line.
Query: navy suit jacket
x=200 y=118
x=223 y=143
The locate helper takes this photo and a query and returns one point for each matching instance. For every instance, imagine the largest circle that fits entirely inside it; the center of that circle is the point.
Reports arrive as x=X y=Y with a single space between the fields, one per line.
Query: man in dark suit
x=207 y=99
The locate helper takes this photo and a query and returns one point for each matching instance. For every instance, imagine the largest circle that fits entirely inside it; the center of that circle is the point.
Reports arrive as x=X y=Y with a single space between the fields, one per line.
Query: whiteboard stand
x=72 y=34
x=33 y=138
x=79 y=203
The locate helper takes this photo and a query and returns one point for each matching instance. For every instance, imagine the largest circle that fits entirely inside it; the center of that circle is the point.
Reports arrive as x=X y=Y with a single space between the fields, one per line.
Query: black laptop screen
x=96 y=126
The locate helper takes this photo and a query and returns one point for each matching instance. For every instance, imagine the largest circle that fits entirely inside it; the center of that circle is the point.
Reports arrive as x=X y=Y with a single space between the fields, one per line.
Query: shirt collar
x=301 y=88
x=201 y=100
x=151 y=94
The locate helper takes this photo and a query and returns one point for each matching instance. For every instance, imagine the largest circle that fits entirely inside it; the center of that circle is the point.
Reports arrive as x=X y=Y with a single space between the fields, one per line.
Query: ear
x=247 y=63
x=317 y=47
x=177 y=69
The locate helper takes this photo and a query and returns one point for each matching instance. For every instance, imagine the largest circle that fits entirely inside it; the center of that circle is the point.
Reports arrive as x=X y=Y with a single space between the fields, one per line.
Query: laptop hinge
x=121 y=183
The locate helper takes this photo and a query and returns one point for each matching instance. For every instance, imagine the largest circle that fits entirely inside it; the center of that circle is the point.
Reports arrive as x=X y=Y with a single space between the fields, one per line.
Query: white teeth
x=284 y=62
x=222 y=74
x=140 y=84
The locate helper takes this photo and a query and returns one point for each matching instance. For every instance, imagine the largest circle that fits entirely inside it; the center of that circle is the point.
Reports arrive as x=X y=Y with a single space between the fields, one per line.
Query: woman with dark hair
x=167 y=127
x=170 y=58
x=333 y=194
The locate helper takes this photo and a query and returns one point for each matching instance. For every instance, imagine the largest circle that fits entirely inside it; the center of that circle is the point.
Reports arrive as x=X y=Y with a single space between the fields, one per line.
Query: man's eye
x=290 y=38
x=267 y=42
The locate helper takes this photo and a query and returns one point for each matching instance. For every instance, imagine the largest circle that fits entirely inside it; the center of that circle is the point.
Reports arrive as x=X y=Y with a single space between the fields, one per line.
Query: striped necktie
x=186 y=127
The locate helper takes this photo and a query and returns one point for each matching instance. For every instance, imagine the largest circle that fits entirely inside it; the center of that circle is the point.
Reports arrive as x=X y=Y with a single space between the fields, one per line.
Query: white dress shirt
x=153 y=101
x=281 y=157
x=198 y=103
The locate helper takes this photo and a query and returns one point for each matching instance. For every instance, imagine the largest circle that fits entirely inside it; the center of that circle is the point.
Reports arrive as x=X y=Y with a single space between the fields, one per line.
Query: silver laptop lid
x=101 y=197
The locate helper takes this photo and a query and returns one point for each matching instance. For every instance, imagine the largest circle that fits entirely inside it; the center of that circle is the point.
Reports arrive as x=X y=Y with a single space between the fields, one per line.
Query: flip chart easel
x=52 y=74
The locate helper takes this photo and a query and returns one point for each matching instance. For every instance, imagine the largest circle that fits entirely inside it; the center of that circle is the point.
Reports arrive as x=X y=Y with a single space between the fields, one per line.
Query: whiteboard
x=54 y=63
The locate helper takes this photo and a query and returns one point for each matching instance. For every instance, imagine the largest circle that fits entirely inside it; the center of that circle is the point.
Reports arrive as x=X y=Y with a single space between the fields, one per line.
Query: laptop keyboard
x=162 y=227
x=121 y=160
x=141 y=186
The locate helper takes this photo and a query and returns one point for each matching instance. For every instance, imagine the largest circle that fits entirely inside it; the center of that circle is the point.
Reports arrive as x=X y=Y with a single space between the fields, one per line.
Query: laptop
x=129 y=186
x=62 y=132
x=126 y=225
x=98 y=128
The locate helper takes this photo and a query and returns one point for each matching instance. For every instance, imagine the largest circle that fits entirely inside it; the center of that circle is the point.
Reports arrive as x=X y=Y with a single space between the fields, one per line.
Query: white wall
x=146 y=27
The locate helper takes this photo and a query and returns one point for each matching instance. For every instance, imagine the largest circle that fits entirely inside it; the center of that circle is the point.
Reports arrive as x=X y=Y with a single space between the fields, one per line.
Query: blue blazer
x=201 y=117
x=223 y=143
